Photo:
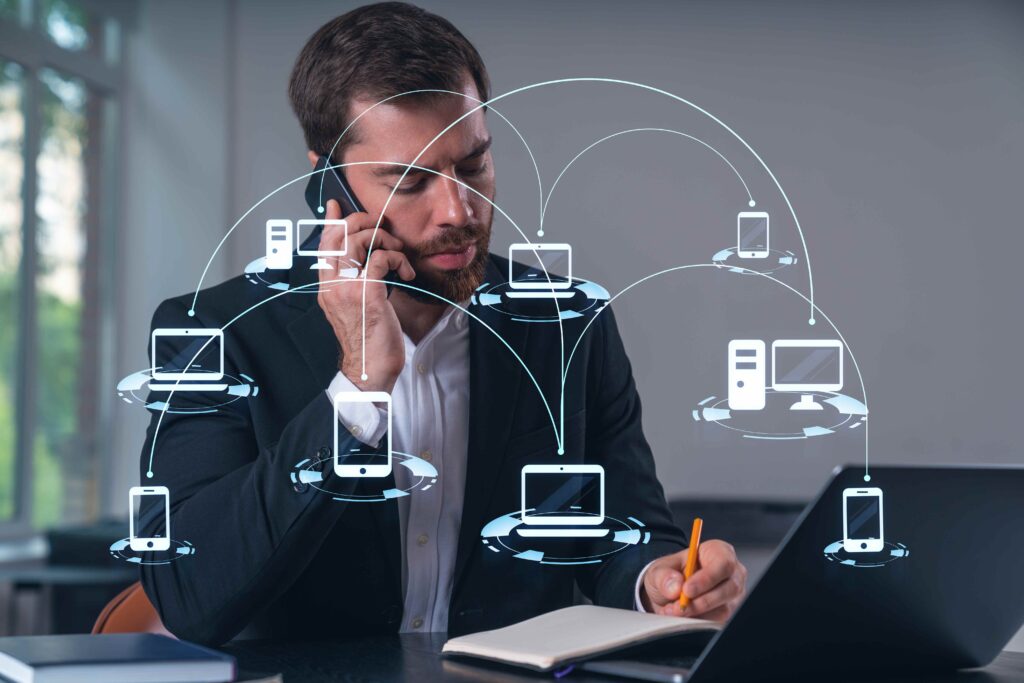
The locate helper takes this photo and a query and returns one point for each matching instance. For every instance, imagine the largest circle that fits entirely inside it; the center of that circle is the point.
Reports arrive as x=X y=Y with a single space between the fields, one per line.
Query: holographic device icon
x=562 y=501
x=148 y=500
x=187 y=359
x=366 y=415
x=752 y=234
x=746 y=374
x=807 y=365
x=305 y=228
x=863 y=520
x=280 y=244
x=543 y=277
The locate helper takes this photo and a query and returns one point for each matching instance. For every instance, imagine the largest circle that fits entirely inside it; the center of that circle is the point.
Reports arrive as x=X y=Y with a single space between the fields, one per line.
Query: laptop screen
x=195 y=355
x=548 y=268
x=559 y=493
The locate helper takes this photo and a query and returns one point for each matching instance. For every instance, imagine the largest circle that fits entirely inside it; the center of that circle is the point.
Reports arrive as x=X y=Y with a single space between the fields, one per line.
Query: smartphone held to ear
x=328 y=182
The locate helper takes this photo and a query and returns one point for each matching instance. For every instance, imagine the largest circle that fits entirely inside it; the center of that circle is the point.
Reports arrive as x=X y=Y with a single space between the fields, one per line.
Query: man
x=277 y=558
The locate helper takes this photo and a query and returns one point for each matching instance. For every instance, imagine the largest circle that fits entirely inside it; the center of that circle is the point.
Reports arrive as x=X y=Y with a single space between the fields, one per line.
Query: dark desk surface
x=415 y=657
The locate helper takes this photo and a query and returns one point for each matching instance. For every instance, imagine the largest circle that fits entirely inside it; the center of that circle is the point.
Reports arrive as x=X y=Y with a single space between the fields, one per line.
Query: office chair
x=130 y=612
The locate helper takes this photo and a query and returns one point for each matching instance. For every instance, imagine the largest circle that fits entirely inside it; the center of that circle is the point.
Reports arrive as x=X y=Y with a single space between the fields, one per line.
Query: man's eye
x=473 y=170
x=410 y=188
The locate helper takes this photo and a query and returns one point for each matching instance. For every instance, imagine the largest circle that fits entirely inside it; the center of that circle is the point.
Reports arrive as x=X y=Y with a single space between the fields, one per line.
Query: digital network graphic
x=562 y=503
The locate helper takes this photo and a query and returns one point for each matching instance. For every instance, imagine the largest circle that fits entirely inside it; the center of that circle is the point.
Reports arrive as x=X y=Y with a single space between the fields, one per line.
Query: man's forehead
x=401 y=130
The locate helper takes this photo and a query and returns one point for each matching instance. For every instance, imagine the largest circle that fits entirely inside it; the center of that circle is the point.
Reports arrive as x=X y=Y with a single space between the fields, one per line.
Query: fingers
x=717 y=560
x=382 y=262
x=724 y=593
x=663 y=583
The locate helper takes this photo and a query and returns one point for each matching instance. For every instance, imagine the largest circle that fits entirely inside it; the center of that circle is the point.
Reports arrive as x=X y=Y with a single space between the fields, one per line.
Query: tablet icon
x=562 y=501
x=369 y=454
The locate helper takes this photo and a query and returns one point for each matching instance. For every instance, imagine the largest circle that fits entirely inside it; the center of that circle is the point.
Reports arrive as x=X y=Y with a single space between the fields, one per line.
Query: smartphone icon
x=863 y=523
x=752 y=234
x=141 y=499
x=354 y=458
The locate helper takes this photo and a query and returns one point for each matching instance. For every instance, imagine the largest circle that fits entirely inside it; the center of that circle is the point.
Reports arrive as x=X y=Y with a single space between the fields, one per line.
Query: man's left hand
x=715 y=589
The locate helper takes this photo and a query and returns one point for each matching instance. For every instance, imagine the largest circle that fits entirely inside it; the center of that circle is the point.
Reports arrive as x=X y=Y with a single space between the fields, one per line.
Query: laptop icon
x=187 y=359
x=562 y=501
x=542 y=278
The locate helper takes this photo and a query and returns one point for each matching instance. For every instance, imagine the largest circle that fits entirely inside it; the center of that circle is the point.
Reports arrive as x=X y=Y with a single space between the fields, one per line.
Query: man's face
x=445 y=227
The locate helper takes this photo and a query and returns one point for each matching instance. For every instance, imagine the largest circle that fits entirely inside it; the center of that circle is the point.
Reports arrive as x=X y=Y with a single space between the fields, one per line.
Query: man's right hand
x=342 y=302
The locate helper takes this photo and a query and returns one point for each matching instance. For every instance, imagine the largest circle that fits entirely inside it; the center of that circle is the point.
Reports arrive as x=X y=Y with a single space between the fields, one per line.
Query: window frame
x=24 y=41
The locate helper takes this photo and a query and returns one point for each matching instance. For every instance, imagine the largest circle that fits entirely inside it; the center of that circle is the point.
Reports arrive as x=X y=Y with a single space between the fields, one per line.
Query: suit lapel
x=495 y=377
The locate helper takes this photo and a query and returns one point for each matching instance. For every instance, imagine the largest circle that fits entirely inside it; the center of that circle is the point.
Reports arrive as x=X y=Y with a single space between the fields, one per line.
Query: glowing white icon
x=306 y=226
x=187 y=359
x=366 y=415
x=746 y=374
x=562 y=501
x=280 y=244
x=148 y=497
x=543 y=277
x=752 y=234
x=863 y=521
x=806 y=365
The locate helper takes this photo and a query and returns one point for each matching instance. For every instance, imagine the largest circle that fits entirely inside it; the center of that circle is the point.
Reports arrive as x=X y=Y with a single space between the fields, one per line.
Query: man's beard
x=454 y=285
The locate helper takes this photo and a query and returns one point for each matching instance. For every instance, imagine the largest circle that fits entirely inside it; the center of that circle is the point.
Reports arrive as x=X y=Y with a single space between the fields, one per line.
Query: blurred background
x=133 y=135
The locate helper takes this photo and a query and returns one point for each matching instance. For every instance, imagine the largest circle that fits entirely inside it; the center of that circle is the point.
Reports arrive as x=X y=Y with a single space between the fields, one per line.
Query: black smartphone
x=331 y=184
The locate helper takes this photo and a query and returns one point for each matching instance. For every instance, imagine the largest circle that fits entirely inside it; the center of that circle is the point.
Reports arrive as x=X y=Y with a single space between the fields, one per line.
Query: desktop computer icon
x=807 y=365
x=304 y=229
x=542 y=278
x=562 y=501
x=187 y=359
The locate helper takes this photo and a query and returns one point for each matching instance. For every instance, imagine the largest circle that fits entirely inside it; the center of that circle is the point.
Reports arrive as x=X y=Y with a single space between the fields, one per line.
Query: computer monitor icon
x=804 y=365
x=562 y=500
x=187 y=359
x=543 y=276
x=307 y=226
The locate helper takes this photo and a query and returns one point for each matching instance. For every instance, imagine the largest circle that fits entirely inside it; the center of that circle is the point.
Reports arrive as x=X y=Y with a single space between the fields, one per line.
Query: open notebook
x=570 y=635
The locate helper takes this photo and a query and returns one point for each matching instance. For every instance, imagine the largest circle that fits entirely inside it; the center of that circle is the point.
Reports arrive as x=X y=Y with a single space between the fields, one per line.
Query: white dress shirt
x=430 y=419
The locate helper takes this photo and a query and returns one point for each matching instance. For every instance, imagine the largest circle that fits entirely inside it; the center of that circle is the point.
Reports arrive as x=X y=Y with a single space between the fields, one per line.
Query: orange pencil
x=691 y=558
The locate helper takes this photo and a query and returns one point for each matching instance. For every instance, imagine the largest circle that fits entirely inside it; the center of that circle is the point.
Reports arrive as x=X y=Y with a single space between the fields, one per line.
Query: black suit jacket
x=280 y=560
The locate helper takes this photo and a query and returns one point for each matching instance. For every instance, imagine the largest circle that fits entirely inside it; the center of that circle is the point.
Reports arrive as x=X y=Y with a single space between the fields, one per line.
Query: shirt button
x=422 y=540
x=323 y=452
x=417 y=622
x=355 y=430
x=426 y=455
x=421 y=368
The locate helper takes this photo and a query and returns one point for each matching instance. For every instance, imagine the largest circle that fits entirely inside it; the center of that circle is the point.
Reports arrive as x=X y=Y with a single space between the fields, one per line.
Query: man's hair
x=377 y=51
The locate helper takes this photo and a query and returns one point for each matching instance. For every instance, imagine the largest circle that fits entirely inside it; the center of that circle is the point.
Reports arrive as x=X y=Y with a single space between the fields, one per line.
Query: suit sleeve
x=253 y=532
x=616 y=440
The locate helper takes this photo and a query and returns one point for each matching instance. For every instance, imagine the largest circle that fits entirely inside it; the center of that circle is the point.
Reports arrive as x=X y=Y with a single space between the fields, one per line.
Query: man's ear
x=313 y=157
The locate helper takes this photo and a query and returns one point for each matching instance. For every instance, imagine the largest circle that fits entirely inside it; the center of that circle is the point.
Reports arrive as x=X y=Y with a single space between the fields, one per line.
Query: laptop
x=187 y=359
x=946 y=593
x=541 y=279
x=562 y=501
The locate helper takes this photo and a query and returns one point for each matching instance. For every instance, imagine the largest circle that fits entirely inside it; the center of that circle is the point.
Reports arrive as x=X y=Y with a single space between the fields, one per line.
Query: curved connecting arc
x=533 y=160
x=195 y=297
x=216 y=250
x=551 y=190
x=163 y=411
x=856 y=365
x=617 y=81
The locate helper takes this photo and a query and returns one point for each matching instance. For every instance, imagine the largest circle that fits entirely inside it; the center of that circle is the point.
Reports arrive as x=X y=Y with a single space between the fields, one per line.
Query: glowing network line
x=533 y=160
x=560 y=81
x=167 y=403
x=856 y=366
x=551 y=190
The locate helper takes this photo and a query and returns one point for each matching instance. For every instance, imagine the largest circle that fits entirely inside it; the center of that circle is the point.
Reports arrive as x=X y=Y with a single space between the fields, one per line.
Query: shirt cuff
x=365 y=421
x=637 y=603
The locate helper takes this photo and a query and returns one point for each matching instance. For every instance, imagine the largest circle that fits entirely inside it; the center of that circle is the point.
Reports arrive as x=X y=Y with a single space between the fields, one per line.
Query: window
x=59 y=93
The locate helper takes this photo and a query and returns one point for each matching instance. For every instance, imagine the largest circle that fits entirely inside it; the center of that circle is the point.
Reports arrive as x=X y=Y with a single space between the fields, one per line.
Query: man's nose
x=455 y=208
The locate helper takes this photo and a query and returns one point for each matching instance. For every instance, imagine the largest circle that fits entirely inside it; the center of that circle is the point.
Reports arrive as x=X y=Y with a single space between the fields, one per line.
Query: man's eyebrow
x=397 y=169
